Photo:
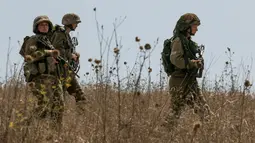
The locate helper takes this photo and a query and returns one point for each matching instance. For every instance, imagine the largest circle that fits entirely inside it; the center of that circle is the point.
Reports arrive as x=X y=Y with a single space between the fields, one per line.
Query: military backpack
x=169 y=68
x=165 y=57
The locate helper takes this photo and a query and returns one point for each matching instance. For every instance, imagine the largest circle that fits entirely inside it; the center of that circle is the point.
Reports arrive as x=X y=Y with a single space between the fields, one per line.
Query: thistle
x=97 y=61
x=247 y=83
x=29 y=58
x=137 y=39
x=31 y=84
x=116 y=50
x=147 y=46
x=149 y=69
x=90 y=60
x=38 y=54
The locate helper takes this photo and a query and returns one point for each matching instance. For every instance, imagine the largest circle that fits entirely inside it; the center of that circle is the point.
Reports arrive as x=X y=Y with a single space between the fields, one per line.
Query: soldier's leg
x=200 y=105
x=176 y=107
x=177 y=101
x=41 y=110
x=57 y=108
x=39 y=91
x=76 y=90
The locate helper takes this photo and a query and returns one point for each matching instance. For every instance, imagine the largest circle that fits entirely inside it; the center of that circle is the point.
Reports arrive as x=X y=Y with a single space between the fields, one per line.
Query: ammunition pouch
x=30 y=71
x=45 y=66
x=51 y=65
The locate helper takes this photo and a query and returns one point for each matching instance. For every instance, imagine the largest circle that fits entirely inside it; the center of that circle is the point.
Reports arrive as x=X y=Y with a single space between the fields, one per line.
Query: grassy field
x=130 y=109
x=112 y=116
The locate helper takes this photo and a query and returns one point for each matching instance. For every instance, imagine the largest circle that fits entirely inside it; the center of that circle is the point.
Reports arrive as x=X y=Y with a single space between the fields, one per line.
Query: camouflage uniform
x=62 y=41
x=41 y=73
x=183 y=84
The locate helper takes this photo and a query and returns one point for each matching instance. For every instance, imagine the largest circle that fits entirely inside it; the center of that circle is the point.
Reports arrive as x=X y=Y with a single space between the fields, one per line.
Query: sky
x=224 y=24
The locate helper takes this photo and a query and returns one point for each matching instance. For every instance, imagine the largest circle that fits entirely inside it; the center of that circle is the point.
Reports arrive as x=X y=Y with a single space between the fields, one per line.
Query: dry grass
x=128 y=109
x=101 y=120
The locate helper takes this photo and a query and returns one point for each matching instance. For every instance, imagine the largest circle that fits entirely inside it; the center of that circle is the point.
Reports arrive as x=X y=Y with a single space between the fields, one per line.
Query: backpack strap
x=184 y=52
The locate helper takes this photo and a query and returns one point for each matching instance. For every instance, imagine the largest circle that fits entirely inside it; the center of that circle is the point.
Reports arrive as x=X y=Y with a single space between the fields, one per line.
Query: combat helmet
x=39 y=19
x=187 y=20
x=70 y=18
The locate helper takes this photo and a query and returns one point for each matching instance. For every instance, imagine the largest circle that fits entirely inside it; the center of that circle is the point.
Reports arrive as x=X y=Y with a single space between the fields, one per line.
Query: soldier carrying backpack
x=181 y=64
x=41 y=71
x=61 y=39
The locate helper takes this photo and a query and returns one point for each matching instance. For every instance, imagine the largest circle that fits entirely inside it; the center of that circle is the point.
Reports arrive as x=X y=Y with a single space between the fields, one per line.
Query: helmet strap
x=190 y=31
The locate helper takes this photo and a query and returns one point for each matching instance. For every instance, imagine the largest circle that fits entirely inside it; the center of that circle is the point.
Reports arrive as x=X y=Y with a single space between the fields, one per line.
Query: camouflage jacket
x=38 y=59
x=61 y=40
x=177 y=53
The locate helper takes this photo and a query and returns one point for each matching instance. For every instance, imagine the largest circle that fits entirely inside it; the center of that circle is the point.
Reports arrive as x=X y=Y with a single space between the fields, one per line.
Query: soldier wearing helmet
x=71 y=20
x=61 y=39
x=42 y=25
x=183 y=83
x=41 y=72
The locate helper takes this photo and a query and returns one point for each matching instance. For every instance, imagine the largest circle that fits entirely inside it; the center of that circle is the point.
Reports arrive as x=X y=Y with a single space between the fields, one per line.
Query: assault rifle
x=200 y=52
x=75 y=64
x=45 y=41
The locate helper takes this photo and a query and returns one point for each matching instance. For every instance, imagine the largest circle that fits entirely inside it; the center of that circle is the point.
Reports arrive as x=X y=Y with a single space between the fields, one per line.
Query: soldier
x=183 y=84
x=41 y=72
x=62 y=40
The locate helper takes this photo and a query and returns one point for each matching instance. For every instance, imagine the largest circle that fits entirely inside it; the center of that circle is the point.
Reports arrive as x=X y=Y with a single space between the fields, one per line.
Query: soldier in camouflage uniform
x=183 y=85
x=41 y=72
x=62 y=41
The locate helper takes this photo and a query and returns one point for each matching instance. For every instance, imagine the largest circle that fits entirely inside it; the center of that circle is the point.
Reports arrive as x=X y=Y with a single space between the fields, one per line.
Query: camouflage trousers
x=185 y=91
x=72 y=86
x=49 y=92
x=75 y=90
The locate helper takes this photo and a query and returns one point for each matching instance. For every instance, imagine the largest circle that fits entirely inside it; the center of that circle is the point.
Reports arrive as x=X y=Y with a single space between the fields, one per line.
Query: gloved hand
x=54 y=53
x=198 y=63
x=76 y=56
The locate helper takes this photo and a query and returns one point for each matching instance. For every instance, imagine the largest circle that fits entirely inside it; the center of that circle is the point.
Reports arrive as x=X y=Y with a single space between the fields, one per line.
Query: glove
x=198 y=63
x=76 y=56
x=53 y=53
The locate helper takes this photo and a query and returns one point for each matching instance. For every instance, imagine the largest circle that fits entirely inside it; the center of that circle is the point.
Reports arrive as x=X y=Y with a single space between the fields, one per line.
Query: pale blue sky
x=225 y=23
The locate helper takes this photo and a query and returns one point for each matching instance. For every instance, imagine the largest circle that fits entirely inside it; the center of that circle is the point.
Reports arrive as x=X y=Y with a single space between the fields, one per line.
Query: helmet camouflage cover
x=187 y=20
x=39 y=19
x=70 y=18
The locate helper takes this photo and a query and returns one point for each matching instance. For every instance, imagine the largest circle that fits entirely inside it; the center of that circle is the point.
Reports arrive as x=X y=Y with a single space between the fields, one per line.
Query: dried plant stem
x=241 y=115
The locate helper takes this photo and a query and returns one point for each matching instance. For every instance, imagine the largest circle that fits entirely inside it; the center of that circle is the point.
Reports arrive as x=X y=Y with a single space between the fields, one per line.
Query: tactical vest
x=190 y=51
x=190 y=48
x=44 y=65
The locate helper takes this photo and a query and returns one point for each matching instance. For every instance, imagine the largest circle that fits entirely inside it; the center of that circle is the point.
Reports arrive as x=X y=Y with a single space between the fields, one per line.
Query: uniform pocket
x=51 y=64
x=30 y=70
x=41 y=68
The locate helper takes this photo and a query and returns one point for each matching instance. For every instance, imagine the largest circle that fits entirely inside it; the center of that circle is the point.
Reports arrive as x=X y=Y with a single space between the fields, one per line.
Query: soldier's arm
x=30 y=50
x=33 y=53
x=177 y=55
